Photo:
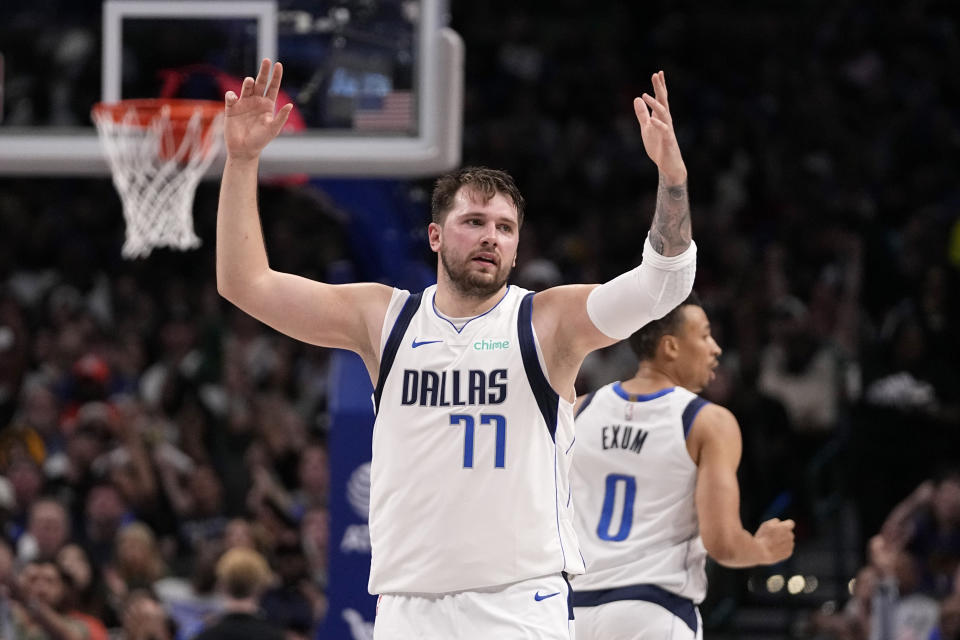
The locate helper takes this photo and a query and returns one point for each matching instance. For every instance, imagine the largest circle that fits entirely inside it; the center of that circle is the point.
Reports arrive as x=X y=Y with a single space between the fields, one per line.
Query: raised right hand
x=250 y=122
x=776 y=537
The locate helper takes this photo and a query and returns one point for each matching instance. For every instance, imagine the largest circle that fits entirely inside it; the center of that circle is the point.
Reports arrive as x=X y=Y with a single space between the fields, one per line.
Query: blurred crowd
x=910 y=585
x=146 y=426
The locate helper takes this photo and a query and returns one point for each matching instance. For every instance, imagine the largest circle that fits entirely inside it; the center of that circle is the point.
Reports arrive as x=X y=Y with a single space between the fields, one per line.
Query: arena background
x=822 y=145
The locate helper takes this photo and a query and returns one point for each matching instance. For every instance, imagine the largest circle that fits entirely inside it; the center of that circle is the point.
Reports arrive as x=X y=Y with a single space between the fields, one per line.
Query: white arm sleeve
x=631 y=300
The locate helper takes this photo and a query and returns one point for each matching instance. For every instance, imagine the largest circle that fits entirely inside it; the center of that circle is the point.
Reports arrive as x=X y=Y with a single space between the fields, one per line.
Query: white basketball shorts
x=633 y=620
x=535 y=609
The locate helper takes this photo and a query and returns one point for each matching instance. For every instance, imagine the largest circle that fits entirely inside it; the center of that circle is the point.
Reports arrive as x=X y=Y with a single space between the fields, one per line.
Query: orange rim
x=180 y=110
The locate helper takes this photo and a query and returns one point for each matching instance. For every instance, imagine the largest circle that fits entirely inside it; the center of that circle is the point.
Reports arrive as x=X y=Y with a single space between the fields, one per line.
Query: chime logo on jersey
x=618 y=436
x=491 y=345
x=454 y=388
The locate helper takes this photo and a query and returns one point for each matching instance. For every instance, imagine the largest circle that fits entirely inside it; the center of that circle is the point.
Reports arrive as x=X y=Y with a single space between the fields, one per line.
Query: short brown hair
x=645 y=340
x=483 y=181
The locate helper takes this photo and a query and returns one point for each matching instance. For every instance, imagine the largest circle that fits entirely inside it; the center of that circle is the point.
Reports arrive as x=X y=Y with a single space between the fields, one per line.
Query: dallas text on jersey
x=454 y=388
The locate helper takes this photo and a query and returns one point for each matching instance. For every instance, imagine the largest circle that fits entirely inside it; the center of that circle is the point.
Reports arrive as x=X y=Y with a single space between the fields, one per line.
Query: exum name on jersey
x=618 y=436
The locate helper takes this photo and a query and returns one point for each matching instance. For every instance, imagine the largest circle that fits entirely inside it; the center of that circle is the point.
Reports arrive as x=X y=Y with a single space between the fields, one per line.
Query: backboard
x=377 y=84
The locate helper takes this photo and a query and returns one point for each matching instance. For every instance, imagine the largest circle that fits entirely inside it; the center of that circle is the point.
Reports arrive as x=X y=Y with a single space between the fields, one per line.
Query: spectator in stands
x=48 y=530
x=137 y=563
x=143 y=618
x=40 y=414
x=127 y=464
x=801 y=371
x=242 y=576
x=193 y=600
x=313 y=474
x=89 y=591
x=289 y=603
x=196 y=495
x=315 y=537
x=74 y=475
x=26 y=482
x=312 y=483
x=39 y=604
x=898 y=609
x=240 y=533
x=927 y=525
x=105 y=512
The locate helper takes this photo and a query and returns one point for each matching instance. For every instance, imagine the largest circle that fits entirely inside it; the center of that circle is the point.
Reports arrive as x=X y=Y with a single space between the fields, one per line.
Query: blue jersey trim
x=586 y=403
x=556 y=504
x=433 y=303
x=393 y=344
x=683 y=608
x=640 y=397
x=569 y=595
x=547 y=398
x=690 y=412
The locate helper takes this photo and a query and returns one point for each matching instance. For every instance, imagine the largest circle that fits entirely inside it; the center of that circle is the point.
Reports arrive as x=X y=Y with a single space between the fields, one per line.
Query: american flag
x=390 y=112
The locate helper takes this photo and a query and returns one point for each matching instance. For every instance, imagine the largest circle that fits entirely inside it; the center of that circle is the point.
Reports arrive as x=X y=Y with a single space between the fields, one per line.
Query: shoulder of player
x=561 y=313
x=714 y=419
x=364 y=307
x=559 y=298
x=366 y=297
x=714 y=436
x=371 y=292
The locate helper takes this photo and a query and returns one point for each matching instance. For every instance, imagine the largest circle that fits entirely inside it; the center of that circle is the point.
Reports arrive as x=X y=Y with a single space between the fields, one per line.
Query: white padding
x=647 y=293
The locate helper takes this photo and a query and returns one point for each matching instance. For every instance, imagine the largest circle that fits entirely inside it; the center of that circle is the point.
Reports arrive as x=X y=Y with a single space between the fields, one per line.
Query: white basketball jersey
x=633 y=486
x=469 y=478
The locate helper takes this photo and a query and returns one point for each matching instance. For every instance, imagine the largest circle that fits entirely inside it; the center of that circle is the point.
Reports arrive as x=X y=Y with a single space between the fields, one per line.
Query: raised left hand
x=656 y=129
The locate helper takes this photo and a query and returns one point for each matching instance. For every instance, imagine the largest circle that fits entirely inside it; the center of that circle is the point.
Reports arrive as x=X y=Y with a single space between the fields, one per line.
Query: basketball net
x=158 y=149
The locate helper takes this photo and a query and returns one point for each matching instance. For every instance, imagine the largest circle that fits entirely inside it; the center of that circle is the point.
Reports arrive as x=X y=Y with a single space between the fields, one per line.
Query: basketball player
x=470 y=519
x=655 y=489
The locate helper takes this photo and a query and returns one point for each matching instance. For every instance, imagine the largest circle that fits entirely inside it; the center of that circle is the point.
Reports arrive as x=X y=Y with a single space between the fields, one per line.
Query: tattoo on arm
x=670 y=232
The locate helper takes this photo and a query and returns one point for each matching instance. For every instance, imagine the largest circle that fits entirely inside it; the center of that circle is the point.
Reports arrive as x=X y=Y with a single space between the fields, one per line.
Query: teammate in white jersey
x=470 y=517
x=655 y=490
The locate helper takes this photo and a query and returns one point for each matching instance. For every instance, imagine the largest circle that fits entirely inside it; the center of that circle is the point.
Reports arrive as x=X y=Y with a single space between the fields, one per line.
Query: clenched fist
x=776 y=538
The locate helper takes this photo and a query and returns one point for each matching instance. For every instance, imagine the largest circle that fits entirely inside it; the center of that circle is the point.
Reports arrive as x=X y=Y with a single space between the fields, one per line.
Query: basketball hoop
x=158 y=149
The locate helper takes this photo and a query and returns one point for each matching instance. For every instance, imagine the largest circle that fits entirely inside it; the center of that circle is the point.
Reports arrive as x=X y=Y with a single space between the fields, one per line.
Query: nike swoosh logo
x=539 y=597
x=416 y=344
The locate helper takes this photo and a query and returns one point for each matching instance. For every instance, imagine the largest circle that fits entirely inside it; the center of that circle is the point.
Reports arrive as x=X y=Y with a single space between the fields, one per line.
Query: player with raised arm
x=470 y=520
x=655 y=489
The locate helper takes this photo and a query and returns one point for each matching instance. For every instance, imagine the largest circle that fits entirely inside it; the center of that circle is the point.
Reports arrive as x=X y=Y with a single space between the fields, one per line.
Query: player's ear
x=670 y=346
x=433 y=235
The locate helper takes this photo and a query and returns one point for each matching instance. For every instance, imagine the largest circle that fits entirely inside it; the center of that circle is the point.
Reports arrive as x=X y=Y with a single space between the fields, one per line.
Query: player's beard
x=471 y=284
